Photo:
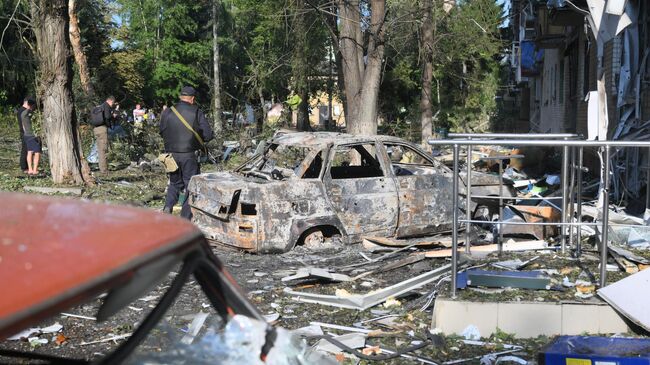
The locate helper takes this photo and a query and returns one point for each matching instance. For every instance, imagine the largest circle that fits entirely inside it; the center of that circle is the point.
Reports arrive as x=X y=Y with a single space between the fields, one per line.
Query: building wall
x=552 y=103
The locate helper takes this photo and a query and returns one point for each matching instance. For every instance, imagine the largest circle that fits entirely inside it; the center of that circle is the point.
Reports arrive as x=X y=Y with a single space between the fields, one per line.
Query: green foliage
x=165 y=46
x=466 y=70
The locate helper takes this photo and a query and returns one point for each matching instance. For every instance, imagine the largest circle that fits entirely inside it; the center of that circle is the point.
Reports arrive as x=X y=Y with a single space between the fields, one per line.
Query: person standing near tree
x=28 y=103
x=102 y=119
x=185 y=130
x=30 y=140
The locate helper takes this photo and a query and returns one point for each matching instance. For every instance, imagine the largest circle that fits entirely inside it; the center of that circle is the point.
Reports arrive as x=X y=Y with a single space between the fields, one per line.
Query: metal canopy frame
x=571 y=171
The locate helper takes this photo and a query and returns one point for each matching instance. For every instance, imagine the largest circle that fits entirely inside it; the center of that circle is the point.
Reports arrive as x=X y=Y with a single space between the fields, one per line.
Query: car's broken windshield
x=279 y=162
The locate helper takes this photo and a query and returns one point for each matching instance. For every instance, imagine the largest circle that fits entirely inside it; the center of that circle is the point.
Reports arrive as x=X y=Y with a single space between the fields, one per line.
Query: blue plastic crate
x=591 y=350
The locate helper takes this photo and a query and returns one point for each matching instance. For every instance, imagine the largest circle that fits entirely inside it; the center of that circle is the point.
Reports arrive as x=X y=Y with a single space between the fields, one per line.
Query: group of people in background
x=184 y=128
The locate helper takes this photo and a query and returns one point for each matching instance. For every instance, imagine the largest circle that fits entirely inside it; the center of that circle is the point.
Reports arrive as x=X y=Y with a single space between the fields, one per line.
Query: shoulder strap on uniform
x=188 y=126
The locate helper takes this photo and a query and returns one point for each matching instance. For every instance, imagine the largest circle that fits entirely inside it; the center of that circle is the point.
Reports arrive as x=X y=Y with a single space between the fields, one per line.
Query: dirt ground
x=260 y=276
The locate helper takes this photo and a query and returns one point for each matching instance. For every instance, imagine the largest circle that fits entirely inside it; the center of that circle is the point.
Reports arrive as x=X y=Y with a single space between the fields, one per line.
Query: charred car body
x=313 y=185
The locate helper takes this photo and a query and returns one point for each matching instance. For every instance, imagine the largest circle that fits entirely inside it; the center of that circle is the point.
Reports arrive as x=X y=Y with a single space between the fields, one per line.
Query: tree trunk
x=216 y=92
x=79 y=56
x=84 y=75
x=49 y=21
x=349 y=21
x=426 y=46
x=372 y=76
x=361 y=79
x=300 y=65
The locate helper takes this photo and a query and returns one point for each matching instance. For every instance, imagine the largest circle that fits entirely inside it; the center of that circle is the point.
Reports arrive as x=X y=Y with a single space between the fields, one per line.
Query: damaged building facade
x=561 y=50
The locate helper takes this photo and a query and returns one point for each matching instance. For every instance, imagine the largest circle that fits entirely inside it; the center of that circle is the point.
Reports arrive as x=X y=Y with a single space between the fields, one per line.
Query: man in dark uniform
x=28 y=103
x=182 y=143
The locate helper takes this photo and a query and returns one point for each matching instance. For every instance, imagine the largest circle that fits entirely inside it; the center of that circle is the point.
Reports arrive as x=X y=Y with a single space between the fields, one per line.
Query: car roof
x=56 y=253
x=321 y=139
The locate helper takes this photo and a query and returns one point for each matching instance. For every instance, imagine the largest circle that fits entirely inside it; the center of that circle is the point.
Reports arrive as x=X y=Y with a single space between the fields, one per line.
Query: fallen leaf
x=566 y=270
x=340 y=357
x=60 y=339
x=372 y=350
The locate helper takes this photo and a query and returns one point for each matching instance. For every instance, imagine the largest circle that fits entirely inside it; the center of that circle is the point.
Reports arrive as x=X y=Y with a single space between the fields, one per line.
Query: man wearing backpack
x=102 y=118
x=185 y=130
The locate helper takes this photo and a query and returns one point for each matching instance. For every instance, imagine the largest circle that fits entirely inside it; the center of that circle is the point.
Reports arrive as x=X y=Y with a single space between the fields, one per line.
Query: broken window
x=313 y=171
x=356 y=161
x=408 y=161
x=279 y=162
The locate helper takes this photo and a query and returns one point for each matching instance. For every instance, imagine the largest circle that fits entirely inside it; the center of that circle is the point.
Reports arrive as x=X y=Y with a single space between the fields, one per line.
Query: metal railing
x=571 y=180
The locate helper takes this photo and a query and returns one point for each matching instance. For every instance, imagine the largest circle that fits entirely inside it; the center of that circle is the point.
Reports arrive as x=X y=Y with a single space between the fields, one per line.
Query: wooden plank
x=623 y=263
x=507 y=247
x=440 y=240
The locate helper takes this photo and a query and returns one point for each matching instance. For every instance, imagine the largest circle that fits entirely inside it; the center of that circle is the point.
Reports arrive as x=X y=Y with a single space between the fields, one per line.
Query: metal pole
x=647 y=181
x=539 y=142
x=579 y=205
x=468 y=201
x=514 y=135
x=565 y=194
x=604 y=233
x=454 y=225
x=573 y=170
x=500 y=243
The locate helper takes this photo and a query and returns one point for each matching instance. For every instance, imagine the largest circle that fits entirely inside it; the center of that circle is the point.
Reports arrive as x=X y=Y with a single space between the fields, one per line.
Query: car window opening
x=357 y=161
x=406 y=161
x=281 y=162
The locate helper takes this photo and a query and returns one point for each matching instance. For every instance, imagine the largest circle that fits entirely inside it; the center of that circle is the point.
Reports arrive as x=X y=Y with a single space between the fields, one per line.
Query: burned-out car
x=306 y=186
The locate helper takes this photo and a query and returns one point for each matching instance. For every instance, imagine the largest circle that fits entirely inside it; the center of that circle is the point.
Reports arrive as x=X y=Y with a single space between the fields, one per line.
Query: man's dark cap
x=188 y=91
x=30 y=100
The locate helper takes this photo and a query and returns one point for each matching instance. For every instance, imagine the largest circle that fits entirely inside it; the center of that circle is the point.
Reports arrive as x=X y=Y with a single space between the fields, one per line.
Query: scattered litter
x=194 y=328
x=259 y=274
x=37 y=341
x=553 y=179
x=108 y=339
x=340 y=328
x=271 y=317
x=515 y=264
x=471 y=332
x=585 y=287
x=628 y=255
x=59 y=339
x=639 y=238
x=492 y=359
x=240 y=342
x=135 y=309
x=252 y=281
x=308 y=331
x=44 y=190
x=363 y=302
x=392 y=302
x=56 y=327
x=351 y=340
x=149 y=298
x=78 y=316
x=316 y=273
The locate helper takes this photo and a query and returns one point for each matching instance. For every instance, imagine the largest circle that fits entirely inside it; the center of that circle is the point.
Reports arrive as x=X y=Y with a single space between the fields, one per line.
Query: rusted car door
x=424 y=190
x=361 y=190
